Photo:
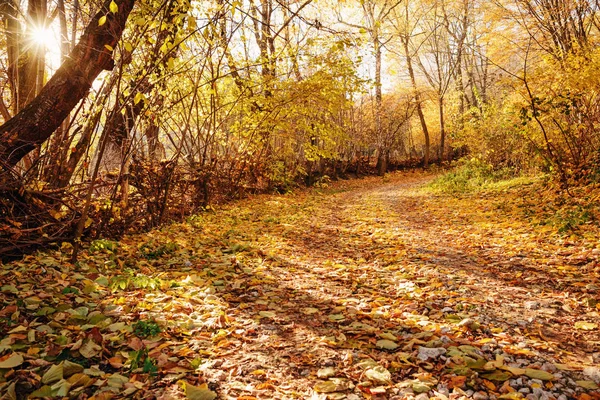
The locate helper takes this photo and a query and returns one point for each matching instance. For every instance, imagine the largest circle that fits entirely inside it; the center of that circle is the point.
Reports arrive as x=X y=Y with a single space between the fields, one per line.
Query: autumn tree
x=406 y=26
x=376 y=17
x=36 y=122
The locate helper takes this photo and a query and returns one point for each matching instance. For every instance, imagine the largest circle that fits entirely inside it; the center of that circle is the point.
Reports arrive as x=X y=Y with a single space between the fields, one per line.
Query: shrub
x=469 y=175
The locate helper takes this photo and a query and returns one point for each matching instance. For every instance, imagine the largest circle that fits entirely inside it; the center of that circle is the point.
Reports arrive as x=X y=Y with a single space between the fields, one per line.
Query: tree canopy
x=121 y=115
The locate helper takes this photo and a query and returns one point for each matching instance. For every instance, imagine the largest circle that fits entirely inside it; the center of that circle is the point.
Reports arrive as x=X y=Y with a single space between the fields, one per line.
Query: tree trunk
x=442 y=128
x=413 y=81
x=33 y=125
x=381 y=164
x=10 y=14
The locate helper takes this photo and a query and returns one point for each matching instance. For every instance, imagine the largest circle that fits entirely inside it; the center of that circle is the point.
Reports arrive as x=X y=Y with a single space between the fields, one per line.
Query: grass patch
x=533 y=198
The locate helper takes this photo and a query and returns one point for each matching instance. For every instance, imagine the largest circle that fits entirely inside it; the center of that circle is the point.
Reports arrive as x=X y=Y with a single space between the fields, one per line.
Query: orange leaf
x=489 y=385
x=457 y=382
x=115 y=362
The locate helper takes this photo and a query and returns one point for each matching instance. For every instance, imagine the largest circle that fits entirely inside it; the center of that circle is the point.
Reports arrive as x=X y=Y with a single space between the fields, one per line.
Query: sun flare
x=44 y=37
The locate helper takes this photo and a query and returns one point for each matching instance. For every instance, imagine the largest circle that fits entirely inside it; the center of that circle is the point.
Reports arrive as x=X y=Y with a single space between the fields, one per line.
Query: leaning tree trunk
x=33 y=125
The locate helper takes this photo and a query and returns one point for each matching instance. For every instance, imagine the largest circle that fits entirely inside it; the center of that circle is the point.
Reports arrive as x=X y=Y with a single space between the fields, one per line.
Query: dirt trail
x=385 y=260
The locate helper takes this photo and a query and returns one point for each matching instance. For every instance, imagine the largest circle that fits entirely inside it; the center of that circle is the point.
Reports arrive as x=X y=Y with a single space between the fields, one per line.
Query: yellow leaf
x=102 y=20
x=386 y=344
x=259 y=372
x=13 y=361
x=512 y=396
x=113 y=7
x=590 y=385
x=514 y=370
x=267 y=314
x=128 y=47
x=57 y=215
x=586 y=326
x=108 y=47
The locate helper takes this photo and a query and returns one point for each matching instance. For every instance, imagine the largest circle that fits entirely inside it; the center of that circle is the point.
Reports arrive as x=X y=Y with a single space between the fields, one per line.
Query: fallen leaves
x=381 y=290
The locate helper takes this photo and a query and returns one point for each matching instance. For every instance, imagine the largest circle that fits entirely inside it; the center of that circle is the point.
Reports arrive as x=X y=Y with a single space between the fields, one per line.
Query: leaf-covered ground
x=366 y=289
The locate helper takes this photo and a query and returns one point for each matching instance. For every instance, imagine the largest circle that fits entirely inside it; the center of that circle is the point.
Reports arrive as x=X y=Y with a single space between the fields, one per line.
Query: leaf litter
x=368 y=289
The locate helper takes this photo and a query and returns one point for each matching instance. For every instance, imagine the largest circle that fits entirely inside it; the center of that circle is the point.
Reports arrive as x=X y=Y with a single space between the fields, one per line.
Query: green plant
x=69 y=290
x=323 y=182
x=151 y=252
x=569 y=219
x=132 y=278
x=469 y=175
x=103 y=245
x=145 y=329
x=141 y=358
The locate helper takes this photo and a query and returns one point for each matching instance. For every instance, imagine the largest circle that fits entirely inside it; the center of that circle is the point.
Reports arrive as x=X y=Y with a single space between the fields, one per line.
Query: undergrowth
x=538 y=199
x=470 y=175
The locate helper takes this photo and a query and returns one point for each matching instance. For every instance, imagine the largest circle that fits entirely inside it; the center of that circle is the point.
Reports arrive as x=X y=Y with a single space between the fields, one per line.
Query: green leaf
x=44 y=391
x=498 y=376
x=60 y=388
x=478 y=363
x=9 y=289
x=54 y=374
x=102 y=20
x=590 y=385
x=102 y=281
x=420 y=387
x=113 y=7
x=71 y=368
x=199 y=393
x=539 y=374
x=13 y=361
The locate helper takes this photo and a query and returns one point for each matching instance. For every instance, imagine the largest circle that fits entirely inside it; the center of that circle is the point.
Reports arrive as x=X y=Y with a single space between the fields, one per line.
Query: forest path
x=371 y=288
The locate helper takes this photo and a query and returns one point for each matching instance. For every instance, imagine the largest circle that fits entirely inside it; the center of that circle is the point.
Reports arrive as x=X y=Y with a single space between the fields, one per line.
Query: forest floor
x=373 y=288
